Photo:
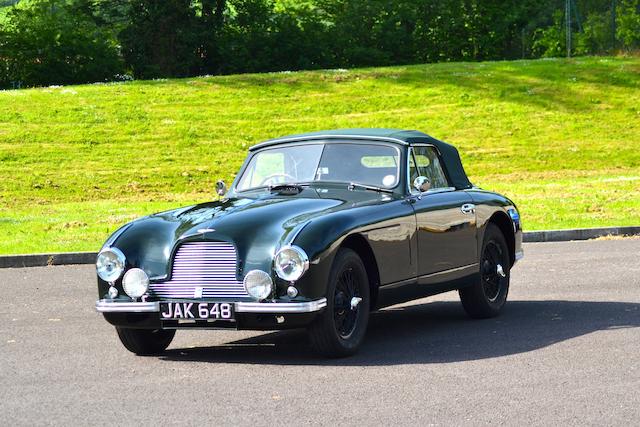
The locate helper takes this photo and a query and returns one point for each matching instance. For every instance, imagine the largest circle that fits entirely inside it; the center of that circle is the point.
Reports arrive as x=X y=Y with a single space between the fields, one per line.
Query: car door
x=446 y=220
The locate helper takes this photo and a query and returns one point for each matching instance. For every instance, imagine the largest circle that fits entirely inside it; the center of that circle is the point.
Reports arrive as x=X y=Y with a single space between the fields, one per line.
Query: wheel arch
x=502 y=221
x=360 y=245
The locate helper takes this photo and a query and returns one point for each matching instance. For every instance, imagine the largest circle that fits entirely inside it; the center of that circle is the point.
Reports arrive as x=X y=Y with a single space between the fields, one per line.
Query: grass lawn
x=560 y=137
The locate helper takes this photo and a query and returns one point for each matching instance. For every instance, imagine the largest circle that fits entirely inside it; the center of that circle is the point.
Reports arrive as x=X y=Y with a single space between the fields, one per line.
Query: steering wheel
x=276 y=175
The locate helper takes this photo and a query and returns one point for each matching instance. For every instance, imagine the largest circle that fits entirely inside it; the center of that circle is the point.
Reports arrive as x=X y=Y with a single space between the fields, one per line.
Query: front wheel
x=487 y=297
x=339 y=330
x=144 y=342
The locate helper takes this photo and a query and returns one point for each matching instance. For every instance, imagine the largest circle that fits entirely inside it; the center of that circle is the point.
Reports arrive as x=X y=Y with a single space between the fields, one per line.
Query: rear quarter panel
x=488 y=205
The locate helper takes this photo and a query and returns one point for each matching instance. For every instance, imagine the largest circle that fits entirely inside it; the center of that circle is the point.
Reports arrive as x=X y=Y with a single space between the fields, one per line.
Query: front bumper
x=249 y=315
x=110 y=306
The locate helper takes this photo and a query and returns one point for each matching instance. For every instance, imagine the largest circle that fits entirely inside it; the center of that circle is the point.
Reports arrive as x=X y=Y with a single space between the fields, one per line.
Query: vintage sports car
x=316 y=231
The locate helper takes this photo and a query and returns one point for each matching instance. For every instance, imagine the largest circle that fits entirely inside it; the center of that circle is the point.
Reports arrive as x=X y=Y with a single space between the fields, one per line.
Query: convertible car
x=316 y=231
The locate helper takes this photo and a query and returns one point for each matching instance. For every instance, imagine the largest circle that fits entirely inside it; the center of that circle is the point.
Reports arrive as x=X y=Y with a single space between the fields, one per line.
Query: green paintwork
x=403 y=238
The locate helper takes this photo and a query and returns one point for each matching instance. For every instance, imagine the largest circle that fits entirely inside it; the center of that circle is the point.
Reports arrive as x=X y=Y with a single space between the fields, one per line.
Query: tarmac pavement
x=565 y=351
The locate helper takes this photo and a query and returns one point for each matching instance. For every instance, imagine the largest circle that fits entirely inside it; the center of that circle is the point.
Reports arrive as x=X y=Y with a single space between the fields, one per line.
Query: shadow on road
x=436 y=332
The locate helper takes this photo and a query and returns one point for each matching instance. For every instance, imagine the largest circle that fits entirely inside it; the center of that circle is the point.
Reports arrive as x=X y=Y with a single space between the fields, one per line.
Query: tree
x=628 y=31
x=53 y=42
x=159 y=40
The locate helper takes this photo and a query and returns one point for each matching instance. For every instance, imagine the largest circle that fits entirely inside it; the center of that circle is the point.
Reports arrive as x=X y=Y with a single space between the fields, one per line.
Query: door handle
x=468 y=208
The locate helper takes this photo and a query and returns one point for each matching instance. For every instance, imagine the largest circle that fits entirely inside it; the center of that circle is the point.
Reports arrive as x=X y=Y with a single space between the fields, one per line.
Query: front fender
x=388 y=229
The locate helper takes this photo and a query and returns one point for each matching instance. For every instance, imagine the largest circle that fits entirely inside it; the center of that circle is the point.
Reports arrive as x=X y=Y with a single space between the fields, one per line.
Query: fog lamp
x=258 y=284
x=135 y=283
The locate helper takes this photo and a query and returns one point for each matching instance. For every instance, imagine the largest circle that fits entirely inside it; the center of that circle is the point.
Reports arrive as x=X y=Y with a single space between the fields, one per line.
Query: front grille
x=202 y=270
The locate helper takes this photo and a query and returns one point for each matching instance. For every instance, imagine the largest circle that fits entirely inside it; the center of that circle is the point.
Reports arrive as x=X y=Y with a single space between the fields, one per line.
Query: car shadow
x=437 y=332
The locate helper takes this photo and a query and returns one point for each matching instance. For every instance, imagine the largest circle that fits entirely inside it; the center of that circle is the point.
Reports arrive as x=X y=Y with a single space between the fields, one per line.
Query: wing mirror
x=221 y=188
x=422 y=184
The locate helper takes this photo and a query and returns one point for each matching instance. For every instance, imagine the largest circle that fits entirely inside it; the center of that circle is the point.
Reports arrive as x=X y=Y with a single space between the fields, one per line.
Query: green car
x=316 y=231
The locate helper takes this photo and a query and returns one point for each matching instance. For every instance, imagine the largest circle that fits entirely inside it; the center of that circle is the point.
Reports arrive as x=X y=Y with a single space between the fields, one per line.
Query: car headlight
x=110 y=264
x=135 y=283
x=290 y=263
x=258 y=284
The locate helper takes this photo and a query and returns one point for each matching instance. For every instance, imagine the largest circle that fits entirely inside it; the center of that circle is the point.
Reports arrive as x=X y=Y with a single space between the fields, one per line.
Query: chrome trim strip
x=110 y=306
x=320 y=137
x=411 y=280
x=519 y=255
x=281 y=307
x=393 y=285
x=297 y=232
x=451 y=270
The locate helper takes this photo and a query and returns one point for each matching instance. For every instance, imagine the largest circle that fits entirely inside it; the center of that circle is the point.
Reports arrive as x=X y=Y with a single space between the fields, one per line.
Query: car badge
x=206 y=230
x=197 y=293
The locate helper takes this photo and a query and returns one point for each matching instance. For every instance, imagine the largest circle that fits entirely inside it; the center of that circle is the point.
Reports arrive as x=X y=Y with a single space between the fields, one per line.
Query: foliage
x=597 y=34
x=557 y=136
x=54 y=42
x=628 y=31
x=174 y=38
x=157 y=43
x=550 y=41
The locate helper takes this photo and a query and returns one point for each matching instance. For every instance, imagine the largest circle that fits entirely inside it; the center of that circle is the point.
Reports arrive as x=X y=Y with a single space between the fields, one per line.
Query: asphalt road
x=566 y=351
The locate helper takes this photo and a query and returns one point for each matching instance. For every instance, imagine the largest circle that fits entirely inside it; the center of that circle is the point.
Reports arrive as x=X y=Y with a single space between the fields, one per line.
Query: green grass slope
x=559 y=137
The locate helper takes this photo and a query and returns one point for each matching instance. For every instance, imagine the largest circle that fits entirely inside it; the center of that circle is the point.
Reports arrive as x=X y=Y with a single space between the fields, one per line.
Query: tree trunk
x=207 y=9
x=219 y=16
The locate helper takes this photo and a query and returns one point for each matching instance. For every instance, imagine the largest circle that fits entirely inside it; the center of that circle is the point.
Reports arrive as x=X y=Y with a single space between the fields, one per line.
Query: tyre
x=340 y=329
x=145 y=342
x=487 y=297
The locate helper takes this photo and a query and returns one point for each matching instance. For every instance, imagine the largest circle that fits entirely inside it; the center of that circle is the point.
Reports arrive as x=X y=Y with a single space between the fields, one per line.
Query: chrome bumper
x=109 y=306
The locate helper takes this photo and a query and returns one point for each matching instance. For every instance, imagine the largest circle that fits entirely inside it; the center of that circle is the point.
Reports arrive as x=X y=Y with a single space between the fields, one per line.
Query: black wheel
x=145 y=342
x=487 y=297
x=339 y=330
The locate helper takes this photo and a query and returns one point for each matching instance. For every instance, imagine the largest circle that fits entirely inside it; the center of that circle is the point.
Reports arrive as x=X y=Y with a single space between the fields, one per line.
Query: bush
x=48 y=42
x=161 y=39
x=628 y=31
x=596 y=36
x=550 y=41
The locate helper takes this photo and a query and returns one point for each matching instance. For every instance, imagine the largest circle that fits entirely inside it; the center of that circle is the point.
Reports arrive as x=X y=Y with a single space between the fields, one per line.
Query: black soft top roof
x=450 y=155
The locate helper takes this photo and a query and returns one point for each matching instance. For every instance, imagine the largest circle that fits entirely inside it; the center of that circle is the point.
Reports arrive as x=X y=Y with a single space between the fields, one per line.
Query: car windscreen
x=369 y=164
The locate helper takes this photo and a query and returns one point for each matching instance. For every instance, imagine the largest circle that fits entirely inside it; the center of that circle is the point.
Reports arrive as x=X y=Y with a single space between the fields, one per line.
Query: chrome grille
x=202 y=270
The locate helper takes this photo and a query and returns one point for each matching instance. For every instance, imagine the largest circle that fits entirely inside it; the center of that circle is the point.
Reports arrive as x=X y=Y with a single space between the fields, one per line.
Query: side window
x=429 y=165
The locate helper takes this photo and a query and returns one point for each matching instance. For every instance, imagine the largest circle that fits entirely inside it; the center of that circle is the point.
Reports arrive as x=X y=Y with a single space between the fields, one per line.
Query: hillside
x=559 y=137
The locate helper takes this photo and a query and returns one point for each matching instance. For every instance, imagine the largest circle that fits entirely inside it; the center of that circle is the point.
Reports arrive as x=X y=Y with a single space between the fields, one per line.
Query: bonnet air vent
x=286 y=189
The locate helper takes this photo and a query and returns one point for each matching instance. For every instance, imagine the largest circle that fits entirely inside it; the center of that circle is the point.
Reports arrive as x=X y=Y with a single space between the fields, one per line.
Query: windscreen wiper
x=353 y=185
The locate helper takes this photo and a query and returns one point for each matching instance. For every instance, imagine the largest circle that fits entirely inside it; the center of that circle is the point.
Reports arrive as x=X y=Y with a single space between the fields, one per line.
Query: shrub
x=48 y=42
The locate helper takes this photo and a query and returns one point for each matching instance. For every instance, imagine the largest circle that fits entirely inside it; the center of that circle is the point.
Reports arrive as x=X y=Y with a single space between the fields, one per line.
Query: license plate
x=196 y=311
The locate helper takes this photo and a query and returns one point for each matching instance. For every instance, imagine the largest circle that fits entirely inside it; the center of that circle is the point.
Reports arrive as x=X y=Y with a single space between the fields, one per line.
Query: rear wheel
x=487 y=297
x=340 y=329
x=145 y=342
